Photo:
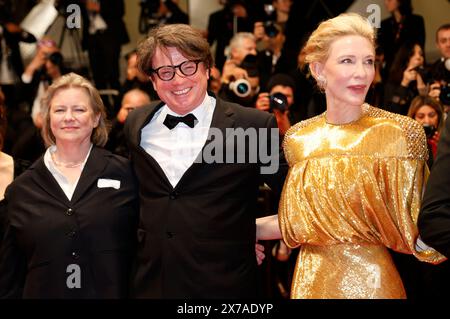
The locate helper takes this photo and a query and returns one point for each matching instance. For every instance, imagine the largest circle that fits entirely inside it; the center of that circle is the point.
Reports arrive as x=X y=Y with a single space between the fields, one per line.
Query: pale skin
x=348 y=72
x=72 y=121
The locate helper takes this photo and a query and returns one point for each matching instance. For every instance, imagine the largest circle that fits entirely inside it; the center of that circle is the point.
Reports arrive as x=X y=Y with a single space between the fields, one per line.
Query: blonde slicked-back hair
x=99 y=135
x=317 y=48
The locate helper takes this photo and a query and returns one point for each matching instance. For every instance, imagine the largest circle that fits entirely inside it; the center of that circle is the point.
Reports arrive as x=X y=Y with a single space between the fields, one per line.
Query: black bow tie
x=172 y=121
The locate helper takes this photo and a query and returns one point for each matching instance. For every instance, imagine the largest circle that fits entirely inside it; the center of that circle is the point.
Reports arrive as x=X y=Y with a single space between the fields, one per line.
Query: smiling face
x=348 y=71
x=182 y=94
x=72 y=119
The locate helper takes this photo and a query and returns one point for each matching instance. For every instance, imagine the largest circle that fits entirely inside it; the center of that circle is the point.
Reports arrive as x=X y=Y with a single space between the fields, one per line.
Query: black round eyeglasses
x=167 y=72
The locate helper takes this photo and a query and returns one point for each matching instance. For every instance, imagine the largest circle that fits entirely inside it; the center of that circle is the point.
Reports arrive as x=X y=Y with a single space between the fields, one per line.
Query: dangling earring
x=322 y=82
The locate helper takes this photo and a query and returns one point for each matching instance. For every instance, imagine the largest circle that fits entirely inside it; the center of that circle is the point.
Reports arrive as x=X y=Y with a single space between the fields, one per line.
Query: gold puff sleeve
x=357 y=183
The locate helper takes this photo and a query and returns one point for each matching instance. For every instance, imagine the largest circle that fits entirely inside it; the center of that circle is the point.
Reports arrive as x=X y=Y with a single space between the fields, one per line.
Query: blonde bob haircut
x=317 y=48
x=99 y=135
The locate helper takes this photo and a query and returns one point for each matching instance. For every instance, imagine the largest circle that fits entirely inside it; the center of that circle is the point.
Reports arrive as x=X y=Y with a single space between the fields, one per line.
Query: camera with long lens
x=278 y=101
x=241 y=87
x=429 y=130
x=149 y=15
x=269 y=25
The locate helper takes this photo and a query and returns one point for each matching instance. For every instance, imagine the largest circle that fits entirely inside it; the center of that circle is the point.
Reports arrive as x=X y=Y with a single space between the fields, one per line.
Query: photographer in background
x=156 y=12
x=241 y=45
x=240 y=84
x=279 y=99
x=11 y=65
x=440 y=69
x=225 y=23
x=273 y=56
x=406 y=79
x=428 y=112
x=240 y=75
x=44 y=68
x=104 y=33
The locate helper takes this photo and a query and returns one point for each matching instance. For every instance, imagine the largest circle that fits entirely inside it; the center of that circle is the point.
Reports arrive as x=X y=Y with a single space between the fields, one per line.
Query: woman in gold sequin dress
x=355 y=180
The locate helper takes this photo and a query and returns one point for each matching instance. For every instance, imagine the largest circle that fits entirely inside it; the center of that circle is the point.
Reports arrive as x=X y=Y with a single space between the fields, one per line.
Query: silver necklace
x=66 y=165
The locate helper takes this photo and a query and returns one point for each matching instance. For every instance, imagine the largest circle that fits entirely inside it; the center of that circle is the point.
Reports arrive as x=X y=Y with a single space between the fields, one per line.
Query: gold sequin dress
x=352 y=190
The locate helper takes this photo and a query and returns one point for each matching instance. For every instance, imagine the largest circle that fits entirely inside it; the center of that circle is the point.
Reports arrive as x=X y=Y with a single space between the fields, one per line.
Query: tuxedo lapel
x=142 y=117
x=223 y=118
x=95 y=165
x=45 y=180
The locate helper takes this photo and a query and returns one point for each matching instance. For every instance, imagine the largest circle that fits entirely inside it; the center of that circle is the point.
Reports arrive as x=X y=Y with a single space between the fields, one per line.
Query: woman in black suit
x=72 y=216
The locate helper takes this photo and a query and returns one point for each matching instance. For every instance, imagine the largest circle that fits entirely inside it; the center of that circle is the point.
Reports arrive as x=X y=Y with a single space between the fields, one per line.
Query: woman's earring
x=322 y=82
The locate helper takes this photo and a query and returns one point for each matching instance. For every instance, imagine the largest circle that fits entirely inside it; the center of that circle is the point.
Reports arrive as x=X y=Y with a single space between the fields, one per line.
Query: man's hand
x=231 y=70
x=263 y=102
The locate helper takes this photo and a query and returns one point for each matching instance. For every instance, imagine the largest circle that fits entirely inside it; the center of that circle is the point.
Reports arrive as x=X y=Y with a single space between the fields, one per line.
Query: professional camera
x=241 y=87
x=429 y=130
x=424 y=73
x=278 y=101
x=269 y=25
x=56 y=58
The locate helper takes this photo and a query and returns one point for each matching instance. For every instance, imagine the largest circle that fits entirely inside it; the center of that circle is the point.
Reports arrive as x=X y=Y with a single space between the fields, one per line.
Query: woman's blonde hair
x=317 y=48
x=99 y=135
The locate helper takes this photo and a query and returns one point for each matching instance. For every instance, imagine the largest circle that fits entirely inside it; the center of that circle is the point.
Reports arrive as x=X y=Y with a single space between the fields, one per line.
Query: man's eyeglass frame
x=174 y=69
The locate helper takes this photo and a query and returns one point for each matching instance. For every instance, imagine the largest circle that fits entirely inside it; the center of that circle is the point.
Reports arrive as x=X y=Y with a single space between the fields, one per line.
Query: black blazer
x=197 y=240
x=434 y=217
x=46 y=232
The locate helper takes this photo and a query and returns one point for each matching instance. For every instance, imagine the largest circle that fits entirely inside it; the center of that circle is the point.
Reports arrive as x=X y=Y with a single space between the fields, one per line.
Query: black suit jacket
x=197 y=240
x=46 y=232
x=434 y=217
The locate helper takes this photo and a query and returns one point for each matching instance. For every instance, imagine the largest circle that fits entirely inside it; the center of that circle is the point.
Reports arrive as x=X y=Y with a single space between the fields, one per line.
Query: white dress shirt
x=176 y=150
x=63 y=182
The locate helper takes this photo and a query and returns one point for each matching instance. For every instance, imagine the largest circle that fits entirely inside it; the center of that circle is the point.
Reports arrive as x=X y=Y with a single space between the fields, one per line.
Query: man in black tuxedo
x=434 y=217
x=198 y=177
